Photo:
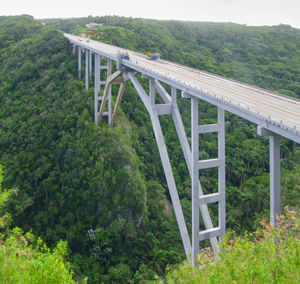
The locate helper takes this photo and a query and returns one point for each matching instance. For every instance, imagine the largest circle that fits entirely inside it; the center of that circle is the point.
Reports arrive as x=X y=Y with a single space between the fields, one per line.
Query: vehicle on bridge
x=153 y=55
x=124 y=55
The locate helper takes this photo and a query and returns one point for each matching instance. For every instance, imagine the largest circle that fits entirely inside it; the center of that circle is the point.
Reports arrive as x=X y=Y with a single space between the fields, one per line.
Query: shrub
x=267 y=256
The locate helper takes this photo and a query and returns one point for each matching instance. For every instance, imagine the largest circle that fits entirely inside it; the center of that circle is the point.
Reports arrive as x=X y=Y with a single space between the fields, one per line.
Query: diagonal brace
x=109 y=81
x=166 y=164
x=117 y=104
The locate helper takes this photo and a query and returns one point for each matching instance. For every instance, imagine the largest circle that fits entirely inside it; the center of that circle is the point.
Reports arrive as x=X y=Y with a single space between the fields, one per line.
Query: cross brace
x=98 y=83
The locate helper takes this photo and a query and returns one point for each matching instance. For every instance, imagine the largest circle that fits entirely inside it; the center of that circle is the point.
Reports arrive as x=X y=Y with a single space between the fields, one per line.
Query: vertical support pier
x=109 y=71
x=275 y=187
x=195 y=179
x=97 y=85
x=222 y=171
x=90 y=64
x=86 y=70
x=73 y=49
x=79 y=62
x=275 y=181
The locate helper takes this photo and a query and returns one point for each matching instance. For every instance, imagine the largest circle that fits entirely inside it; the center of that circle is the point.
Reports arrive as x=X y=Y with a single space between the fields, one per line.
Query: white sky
x=250 y=12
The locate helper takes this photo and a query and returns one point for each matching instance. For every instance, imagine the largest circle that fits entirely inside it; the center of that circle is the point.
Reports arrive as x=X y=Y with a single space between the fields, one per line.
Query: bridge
x=275 y=115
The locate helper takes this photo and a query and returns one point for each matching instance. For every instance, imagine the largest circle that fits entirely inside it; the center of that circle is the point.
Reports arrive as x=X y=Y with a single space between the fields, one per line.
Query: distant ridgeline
x=102 y=189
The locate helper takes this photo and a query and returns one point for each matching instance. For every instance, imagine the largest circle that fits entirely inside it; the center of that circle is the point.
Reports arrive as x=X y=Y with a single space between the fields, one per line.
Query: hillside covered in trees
x=103 y=190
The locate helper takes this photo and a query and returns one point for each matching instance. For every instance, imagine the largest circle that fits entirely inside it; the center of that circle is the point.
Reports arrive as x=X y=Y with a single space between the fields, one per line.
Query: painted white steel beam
x=195 y=179
x=90 y=63
x=117 y=104
x=107 y=95
x=97 y=86
x=275 y=180
x=165 y=161
x=79 y=62
x=86 y=70
x=188 y=156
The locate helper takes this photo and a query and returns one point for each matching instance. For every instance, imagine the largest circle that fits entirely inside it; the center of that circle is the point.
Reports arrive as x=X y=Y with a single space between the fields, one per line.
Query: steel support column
x=109 y=70
x=221 y=172
x=90 y=64
x=97 y=85
x=275 y=182
x=275 y=188
x=86 y=70
x=79 y=62
x=195 y=179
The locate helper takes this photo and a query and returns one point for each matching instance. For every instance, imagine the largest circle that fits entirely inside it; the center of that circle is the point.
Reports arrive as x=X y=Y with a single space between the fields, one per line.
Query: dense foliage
x=103 y=190
x=265 y=256
x=25 y=258
x=76 y=181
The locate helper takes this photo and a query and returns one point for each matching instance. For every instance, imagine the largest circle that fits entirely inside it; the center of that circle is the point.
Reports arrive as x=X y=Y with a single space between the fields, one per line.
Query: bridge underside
x=200 y=201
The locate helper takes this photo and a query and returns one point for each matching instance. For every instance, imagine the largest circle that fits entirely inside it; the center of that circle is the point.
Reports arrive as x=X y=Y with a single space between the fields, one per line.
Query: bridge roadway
x=278 y=113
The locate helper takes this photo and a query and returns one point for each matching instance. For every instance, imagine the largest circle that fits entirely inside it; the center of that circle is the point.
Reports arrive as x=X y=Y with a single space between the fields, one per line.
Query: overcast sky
x=250 y=12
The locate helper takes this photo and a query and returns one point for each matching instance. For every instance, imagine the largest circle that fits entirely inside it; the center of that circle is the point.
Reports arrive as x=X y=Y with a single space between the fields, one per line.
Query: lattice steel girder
x=210 y=232
x=106 y=94
x=187 y=155
x=98 y=83
x=198 y=198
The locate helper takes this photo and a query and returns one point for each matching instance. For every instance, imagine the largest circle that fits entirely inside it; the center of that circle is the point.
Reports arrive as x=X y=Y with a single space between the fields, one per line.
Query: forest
x=98 y=194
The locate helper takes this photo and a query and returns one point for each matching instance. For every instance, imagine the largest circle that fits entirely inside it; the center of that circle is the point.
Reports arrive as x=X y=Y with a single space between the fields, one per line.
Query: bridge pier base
x=275 y=180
